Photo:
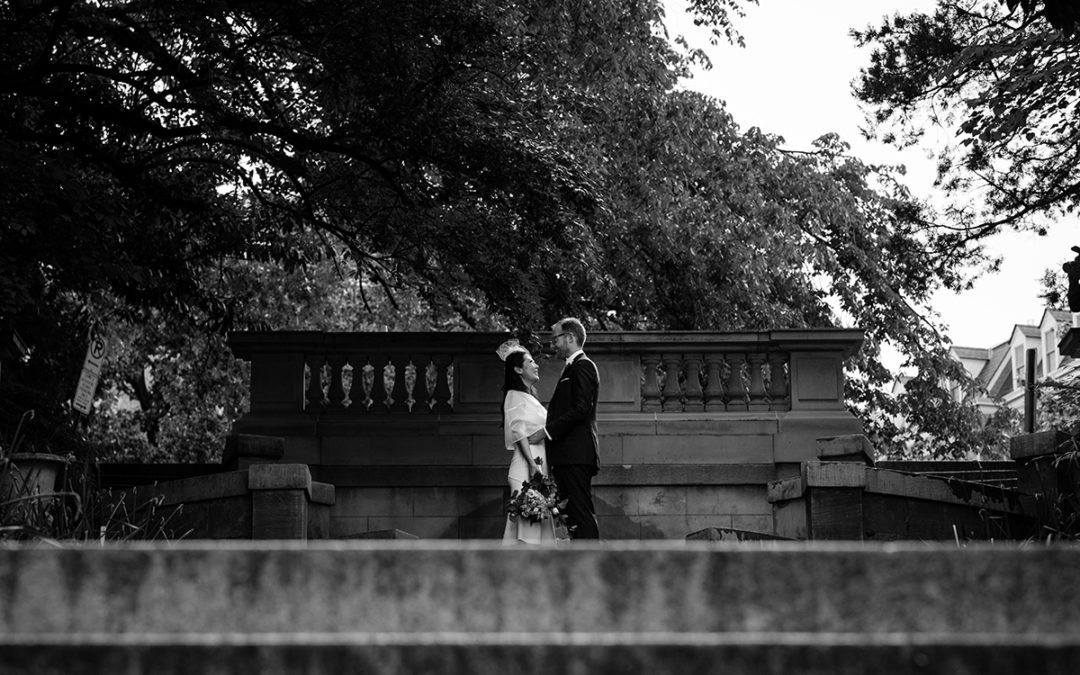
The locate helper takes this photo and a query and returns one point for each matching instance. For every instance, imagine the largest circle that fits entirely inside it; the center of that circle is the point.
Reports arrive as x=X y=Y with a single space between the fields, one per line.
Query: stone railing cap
x=844 y=340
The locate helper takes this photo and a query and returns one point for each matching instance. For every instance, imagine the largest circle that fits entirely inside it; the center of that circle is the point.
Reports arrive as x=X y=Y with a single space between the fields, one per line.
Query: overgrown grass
x=78 y=509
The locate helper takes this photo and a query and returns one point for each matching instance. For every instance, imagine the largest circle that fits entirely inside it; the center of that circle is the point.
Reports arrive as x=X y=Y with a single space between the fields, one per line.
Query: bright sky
x=794 y=79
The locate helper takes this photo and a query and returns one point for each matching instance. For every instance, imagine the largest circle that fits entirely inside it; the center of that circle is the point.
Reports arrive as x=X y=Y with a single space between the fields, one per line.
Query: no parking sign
x=91 y=371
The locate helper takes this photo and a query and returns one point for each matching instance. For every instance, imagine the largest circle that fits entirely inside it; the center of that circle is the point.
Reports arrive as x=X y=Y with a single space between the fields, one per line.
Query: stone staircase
x=476 y=607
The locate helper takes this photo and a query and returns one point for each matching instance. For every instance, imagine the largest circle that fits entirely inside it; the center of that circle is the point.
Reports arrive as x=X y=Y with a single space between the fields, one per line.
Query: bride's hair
x=512 y=379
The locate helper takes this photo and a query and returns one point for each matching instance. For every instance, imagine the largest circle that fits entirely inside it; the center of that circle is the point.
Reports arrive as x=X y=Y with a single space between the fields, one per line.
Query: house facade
x=1001 y=370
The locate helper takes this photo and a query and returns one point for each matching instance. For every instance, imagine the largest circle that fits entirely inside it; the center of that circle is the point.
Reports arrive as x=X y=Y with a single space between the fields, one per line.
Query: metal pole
x=1029 y=393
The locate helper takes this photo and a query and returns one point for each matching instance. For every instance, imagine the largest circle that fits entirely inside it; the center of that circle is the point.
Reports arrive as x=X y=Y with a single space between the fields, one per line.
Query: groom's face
x=562 y=342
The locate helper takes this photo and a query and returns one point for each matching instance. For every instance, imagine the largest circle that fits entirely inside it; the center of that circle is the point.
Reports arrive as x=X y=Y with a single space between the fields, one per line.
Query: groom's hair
x=574 y=327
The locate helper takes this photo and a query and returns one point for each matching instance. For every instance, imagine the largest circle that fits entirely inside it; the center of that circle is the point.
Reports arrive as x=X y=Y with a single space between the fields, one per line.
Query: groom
x=571 y=428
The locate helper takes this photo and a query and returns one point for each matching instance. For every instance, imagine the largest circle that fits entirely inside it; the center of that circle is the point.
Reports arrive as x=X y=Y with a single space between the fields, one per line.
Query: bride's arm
x=516 y=420
x=522 y=446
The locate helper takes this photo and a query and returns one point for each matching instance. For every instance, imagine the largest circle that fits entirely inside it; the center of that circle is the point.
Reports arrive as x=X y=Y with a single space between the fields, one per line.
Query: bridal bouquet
x=537 y=499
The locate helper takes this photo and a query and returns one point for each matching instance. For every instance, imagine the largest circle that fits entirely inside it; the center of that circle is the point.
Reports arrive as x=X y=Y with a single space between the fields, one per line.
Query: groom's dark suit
x=572 y=445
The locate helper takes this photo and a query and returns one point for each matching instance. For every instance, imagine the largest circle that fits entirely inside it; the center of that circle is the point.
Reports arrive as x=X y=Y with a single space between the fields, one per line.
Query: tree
x=1006 y=80
x=173 y=389
x=1003 y=77
x=209 y=132
x=504 y=163
x=1063 y=15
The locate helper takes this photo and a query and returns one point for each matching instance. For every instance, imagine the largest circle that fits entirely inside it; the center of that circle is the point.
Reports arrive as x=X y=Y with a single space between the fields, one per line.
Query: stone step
x=383 y=587
x=500 y=653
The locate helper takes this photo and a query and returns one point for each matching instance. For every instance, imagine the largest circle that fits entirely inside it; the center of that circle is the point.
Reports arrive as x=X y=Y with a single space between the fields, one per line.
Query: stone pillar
x=279 y=500
x=817 y=380
x=1049 y=468
x=277 y=383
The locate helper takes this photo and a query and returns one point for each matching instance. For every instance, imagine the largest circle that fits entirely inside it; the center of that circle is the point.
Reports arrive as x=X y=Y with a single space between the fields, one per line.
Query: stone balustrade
x=406 y=426
x=445 y=373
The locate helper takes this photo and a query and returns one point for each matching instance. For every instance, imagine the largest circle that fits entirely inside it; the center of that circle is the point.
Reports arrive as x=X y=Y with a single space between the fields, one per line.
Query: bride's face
x=529 y=370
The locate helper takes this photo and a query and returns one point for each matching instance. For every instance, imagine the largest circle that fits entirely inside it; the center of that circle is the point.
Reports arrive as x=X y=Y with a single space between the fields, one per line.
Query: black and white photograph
x=539 y=337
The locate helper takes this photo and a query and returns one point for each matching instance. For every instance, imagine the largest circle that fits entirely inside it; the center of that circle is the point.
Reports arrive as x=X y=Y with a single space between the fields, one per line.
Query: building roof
x=1029 y=331
x=997 y=355
x=971 y=352
x=1061 y=315
x=1003 y=385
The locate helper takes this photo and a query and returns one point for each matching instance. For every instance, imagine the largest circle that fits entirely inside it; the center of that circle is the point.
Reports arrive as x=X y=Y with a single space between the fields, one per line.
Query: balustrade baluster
x=420 y=394
x=672 y=392
x=442 y=383
x=714 y=386
x=735 y=389
x=695 y=399
x=400 y=392
x=314 y=394
x=336 y=392
x=650 y=390
x=378 y=383
x=756 y=387
x=360 y=387
x=778 y=382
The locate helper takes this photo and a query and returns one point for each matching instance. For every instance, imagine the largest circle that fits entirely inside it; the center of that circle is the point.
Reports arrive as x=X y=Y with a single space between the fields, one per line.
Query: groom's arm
x=584 y=390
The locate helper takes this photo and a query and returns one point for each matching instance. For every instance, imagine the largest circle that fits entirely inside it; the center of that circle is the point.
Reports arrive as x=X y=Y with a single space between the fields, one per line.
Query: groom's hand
x=537 y=436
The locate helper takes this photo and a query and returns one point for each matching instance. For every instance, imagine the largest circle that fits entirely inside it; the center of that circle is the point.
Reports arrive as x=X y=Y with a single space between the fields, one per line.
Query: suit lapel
x=566 y=369
x=559 y=389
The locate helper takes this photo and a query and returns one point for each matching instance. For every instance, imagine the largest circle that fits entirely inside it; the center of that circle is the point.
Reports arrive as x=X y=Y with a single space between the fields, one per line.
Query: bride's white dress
x=523 y=415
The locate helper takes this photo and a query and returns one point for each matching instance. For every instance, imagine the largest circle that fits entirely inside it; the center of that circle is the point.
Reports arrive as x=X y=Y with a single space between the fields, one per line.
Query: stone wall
x=262 y=501
x=851 y=501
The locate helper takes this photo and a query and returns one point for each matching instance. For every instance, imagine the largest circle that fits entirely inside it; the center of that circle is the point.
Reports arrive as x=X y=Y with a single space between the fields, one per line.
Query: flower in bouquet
x=538 y=499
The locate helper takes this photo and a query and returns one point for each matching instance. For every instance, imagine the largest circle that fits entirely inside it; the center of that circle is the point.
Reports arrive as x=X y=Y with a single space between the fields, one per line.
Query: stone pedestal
x=1049 y=468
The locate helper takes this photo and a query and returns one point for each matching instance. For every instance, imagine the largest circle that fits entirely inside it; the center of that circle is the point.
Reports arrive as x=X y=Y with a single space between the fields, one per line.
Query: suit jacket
x=571 y=417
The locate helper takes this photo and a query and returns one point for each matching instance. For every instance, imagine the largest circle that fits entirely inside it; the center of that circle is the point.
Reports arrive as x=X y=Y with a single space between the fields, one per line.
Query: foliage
x=1059 y=405
x=77 y=509
x=1006 y=82
x=937 y=426
x=78 y=512
x=471 y=164
x=1063 y=15
x=1055 y=289
x=174 y=389
x=1003 y=77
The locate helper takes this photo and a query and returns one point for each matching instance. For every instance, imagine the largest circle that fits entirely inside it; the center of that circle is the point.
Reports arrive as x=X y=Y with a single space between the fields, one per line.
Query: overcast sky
x=794 y=79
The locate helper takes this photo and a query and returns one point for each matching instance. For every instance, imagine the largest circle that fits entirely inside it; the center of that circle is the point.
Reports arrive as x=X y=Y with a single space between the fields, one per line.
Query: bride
x=522 y=415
